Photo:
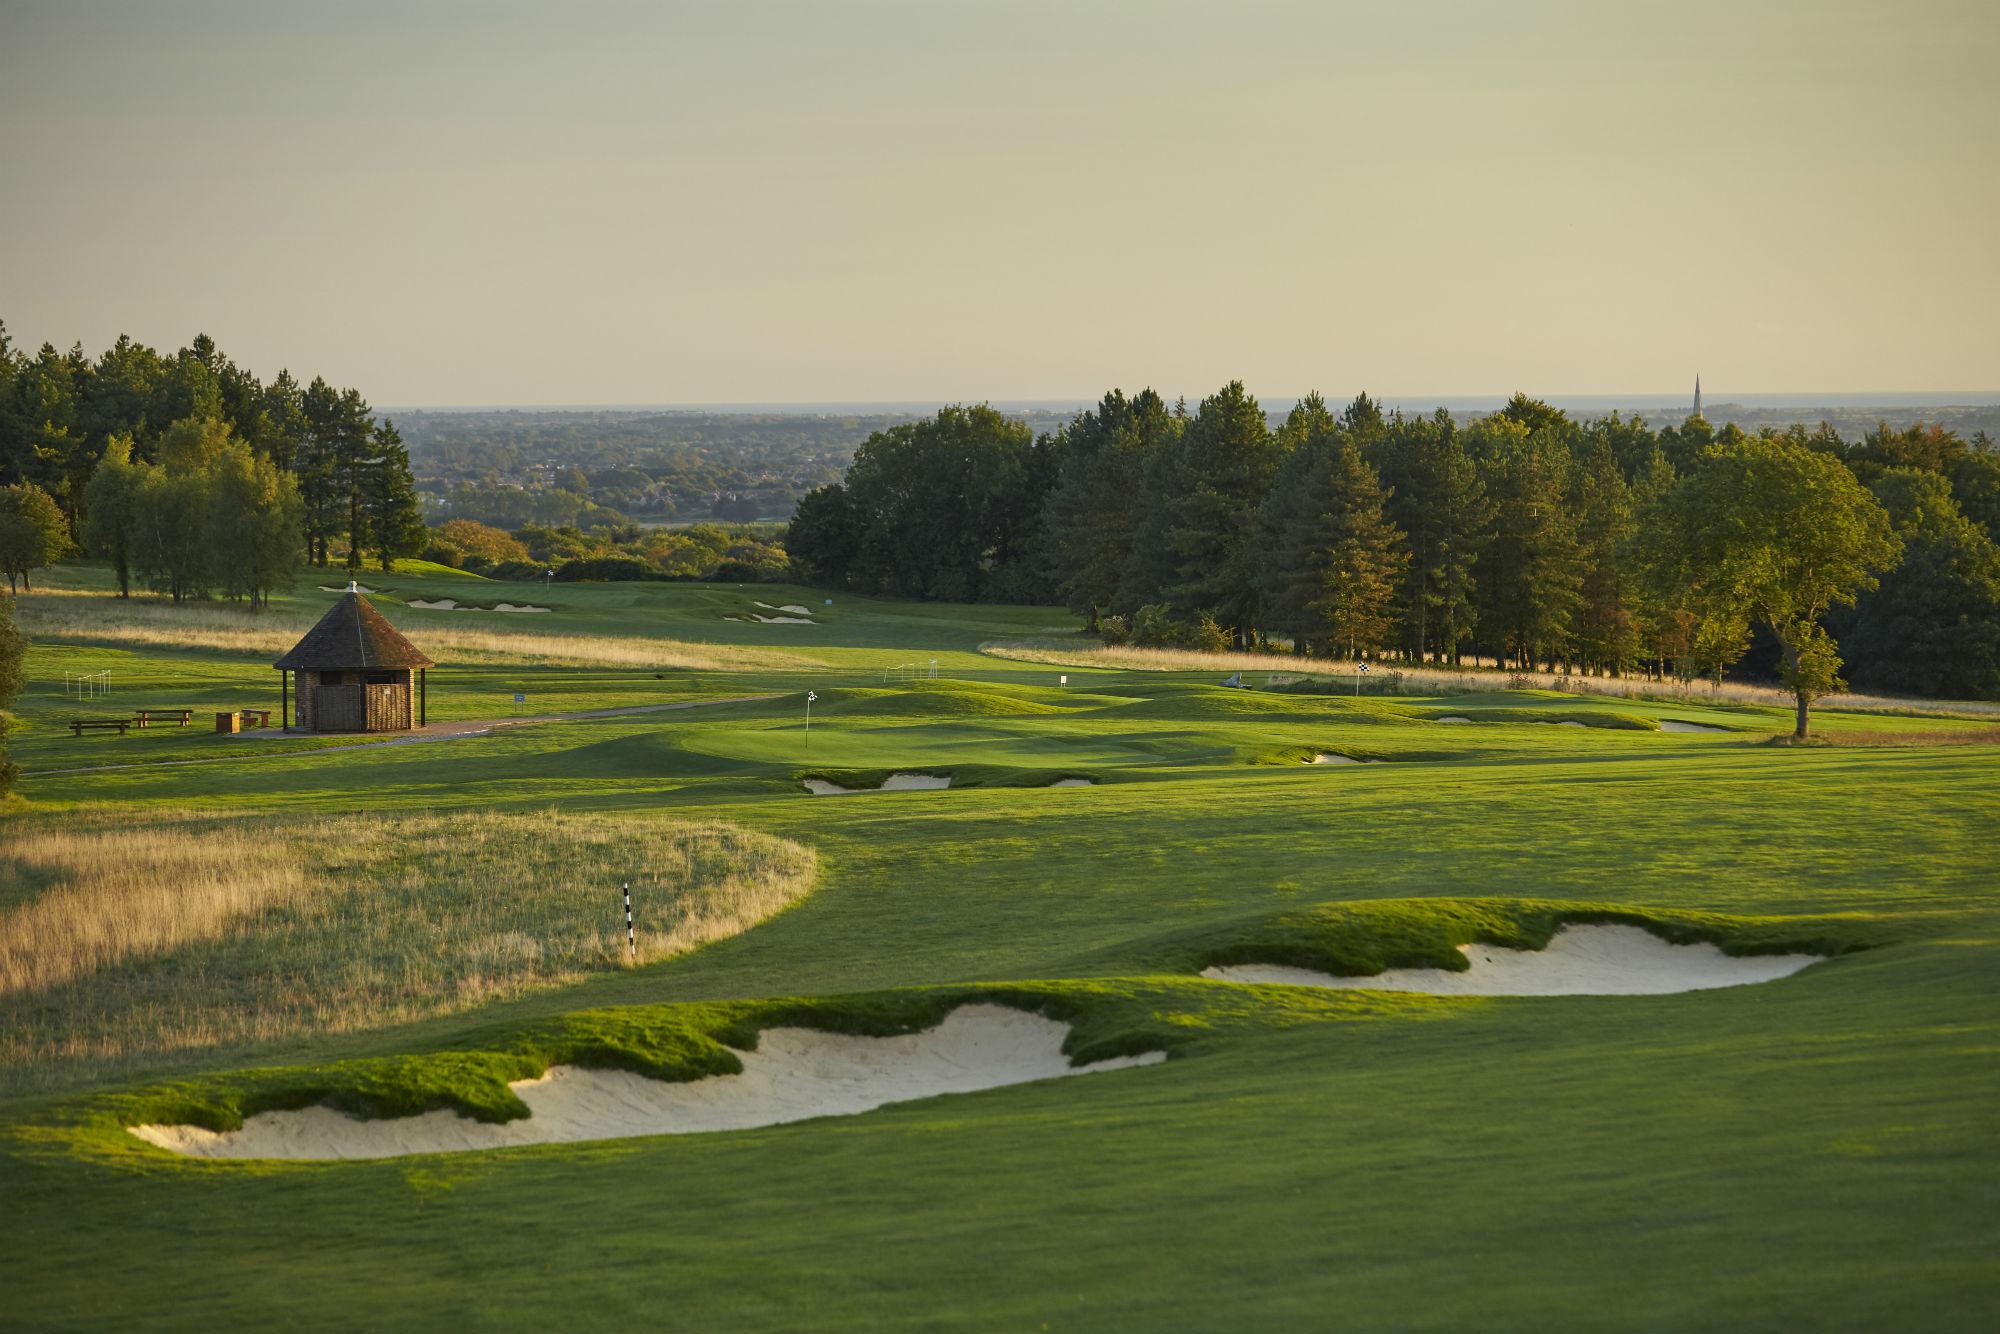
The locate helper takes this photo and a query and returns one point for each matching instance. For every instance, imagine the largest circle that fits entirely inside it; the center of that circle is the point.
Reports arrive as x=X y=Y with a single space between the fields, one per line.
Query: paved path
x=416 y=736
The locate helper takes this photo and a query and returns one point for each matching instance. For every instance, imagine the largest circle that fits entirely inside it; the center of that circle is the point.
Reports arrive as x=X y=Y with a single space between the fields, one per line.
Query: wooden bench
x=179 y=717
x=81 y=725
x=263 y=717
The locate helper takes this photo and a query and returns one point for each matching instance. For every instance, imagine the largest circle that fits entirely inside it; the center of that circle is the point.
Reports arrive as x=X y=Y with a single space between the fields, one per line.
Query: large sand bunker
x=1334 y=757
x=790 y=608
x=1074 y=782
x=819 y=787
x=1579 y=961
x=793 y=1075
x=1455 y=718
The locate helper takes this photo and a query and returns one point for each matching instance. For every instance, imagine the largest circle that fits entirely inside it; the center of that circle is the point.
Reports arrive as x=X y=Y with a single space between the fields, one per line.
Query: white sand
x=794 y=1075
x=1579 y=961
x=1074 y=782
x=508 y=606
x=442 y=604
x=1676 y=725
x=819 y=787
x=781 y=620
x=1334 y=759
x=1454 y=719
x=1570 y=722
x=791 y=607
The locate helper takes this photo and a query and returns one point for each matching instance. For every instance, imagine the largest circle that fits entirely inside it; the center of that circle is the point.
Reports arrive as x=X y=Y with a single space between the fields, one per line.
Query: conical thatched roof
x=352 y=636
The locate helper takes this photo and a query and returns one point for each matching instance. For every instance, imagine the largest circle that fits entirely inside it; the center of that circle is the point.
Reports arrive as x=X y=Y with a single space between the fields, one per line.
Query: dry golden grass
x=1437 y=680
x=111 y=895
x=120 y=945
x=99 y=618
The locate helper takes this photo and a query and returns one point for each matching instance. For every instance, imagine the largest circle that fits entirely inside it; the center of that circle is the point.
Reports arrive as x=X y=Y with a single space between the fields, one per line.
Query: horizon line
x=1637 y=399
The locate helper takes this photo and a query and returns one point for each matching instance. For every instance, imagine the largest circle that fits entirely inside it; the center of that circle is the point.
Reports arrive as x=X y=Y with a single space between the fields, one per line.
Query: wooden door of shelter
x=388 y=707
x=339 y=709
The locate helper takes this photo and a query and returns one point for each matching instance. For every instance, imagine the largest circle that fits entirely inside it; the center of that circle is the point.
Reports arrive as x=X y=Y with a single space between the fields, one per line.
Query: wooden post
x=423 y=697
x=284 y=700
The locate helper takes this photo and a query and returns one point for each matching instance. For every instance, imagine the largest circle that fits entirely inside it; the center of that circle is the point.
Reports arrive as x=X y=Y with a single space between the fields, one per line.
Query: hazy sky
x=624 y=203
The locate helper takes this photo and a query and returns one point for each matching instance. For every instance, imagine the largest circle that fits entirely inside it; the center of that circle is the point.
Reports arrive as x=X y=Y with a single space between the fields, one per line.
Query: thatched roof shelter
x=354 y=672
x=352 y=636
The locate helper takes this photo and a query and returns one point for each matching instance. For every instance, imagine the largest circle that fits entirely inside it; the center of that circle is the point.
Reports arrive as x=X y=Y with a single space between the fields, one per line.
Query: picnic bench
x=179 y=717
x=79 y=726
x=263 y=717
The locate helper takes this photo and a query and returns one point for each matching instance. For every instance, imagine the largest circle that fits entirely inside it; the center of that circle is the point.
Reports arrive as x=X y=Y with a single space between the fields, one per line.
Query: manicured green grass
x=1809 y=1153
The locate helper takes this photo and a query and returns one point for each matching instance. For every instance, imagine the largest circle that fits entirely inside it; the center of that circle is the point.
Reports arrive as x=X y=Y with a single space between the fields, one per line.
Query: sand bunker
x=1331 y=757
x=781 y=620
x=1676 y=725
x=794 y=1075
x=1074 y=782
x=1570 y=722
x=790 y=607
x=1454 y=719
x=819 y=787
x=1579 y=961
x=452 y=604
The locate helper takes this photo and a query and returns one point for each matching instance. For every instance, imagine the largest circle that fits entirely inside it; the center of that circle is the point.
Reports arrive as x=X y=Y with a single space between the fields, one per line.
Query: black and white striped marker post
x=631 y=940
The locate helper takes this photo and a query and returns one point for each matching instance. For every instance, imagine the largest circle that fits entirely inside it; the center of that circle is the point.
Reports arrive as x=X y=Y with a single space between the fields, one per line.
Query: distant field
x=196 y=927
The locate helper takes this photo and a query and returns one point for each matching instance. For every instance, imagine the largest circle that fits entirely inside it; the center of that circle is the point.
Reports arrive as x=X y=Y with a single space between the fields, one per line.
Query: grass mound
x=1624 y=722
x=937 y=699
x=1370 y=936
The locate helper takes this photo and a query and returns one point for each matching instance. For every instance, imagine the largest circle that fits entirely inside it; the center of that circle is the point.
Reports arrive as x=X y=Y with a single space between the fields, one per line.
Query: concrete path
x=415 y=736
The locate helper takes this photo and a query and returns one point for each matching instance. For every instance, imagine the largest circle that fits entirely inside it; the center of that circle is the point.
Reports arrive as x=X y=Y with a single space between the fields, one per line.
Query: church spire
x=1697 y=396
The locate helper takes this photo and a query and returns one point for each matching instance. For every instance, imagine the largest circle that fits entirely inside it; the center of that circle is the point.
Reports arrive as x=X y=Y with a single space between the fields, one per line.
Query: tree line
x=190 y=474
x=1591 y=547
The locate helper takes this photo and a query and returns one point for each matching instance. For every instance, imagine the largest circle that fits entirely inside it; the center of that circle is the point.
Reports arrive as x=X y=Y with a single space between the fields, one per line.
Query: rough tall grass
x=98 y=618
x=1445 y=681
x=120 y=945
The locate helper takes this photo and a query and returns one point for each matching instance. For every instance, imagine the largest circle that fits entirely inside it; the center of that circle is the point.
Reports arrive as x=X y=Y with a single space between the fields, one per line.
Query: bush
x=516 y=571
x=1153 y=626
x=1114 y=630
x=1204 y=635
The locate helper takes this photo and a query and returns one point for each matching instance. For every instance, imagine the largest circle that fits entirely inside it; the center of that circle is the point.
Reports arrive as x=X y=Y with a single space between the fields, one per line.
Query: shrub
x=1153 y=626
x=1114 y=630
x=1204 y=635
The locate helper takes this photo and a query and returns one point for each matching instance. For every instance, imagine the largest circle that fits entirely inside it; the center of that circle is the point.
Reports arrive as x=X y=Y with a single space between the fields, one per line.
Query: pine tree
x=394 y=519
x=318 y=451
x=1437 y=498
x=1607 y=626
x=1531 y=578
x=1349 y=555
x=1228 y=458
x=1092 y=511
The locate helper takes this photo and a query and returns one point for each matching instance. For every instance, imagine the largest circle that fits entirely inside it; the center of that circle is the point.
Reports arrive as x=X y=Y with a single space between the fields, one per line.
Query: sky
x=863 y=200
